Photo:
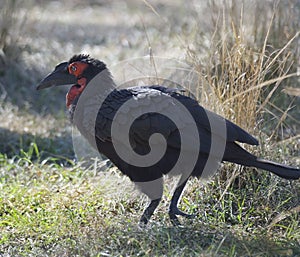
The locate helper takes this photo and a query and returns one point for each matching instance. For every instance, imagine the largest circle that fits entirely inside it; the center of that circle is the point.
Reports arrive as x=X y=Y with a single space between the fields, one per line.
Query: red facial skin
x=76 y=68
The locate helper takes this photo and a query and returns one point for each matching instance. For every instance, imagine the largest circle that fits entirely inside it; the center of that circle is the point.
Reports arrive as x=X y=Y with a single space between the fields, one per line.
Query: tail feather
x=280 y=170
x=236 y=154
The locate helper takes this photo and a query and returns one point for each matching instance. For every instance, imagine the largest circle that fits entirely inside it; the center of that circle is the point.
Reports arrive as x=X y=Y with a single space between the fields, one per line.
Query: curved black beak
x=60 y=76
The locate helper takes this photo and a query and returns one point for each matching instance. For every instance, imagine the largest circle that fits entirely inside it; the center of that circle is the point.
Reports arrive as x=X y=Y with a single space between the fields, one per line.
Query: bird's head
x=78 y=71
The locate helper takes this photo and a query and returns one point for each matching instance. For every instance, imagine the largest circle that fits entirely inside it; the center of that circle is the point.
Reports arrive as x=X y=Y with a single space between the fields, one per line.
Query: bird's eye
x=73 y=68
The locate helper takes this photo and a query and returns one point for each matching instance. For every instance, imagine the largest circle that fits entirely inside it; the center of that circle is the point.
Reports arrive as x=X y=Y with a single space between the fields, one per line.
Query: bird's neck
x=90 y=90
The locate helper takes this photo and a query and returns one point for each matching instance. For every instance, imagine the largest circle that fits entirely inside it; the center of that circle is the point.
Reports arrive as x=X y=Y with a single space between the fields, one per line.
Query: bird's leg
x=149 y=211
x=173 y=210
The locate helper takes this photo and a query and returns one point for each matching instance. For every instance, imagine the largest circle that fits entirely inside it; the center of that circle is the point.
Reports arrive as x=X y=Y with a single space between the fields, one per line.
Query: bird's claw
x=173 y=213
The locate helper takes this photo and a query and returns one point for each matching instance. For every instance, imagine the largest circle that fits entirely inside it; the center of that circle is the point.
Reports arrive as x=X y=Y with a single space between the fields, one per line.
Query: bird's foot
x=174 y=212
x=148 y=212
x=143 y=221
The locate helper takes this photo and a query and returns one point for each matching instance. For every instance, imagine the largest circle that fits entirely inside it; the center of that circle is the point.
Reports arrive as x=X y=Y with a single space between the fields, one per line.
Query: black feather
x=149 y=123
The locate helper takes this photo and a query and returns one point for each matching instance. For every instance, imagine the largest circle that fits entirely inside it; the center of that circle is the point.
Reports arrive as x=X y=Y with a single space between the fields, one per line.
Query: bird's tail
x=235 y=153
x=280 y=170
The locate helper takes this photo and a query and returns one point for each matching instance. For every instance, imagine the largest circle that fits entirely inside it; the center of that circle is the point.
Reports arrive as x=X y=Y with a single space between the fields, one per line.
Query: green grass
x=50 y=206
x=47 y=209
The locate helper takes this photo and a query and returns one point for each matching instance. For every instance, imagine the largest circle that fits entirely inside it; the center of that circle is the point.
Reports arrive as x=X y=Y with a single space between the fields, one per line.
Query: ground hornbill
x=82 y=72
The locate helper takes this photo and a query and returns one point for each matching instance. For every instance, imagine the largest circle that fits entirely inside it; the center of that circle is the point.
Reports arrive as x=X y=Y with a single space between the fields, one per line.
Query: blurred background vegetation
x=242 y=49
x=247 y=54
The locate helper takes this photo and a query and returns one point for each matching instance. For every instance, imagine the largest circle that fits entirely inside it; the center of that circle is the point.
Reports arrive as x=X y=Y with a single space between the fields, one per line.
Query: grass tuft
x=240 y=74
x=246 y=53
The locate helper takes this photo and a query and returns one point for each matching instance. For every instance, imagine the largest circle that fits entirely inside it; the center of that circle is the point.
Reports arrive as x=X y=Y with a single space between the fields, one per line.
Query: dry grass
x=12 y=20
x=242 y=71
x=241 y=74
x=51 y=207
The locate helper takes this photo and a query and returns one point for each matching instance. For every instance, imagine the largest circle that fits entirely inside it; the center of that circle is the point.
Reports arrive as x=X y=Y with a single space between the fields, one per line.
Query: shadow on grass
x=159 y=240
x=227 y=241
x=16 y=144
x=18 y=86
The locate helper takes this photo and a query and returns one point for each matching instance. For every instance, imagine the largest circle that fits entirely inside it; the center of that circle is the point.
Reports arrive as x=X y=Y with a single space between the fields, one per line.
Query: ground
x=50 y=205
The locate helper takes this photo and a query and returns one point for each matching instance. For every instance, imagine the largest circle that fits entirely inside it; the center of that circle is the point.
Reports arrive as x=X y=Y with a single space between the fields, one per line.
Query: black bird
x=94 y=103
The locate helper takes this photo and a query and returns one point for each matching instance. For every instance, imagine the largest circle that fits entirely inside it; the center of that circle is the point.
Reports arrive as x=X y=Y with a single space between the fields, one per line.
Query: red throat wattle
x=75 y=91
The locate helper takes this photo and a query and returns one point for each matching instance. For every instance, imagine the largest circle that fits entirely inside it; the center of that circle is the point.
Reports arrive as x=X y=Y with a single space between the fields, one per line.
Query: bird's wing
x=155 y=109
x=204 y=118
x=138 y=107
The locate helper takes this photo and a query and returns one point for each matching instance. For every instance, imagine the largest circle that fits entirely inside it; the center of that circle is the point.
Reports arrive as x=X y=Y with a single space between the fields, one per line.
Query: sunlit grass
x=50 y=209
x=240 y=75
x=52 y=206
